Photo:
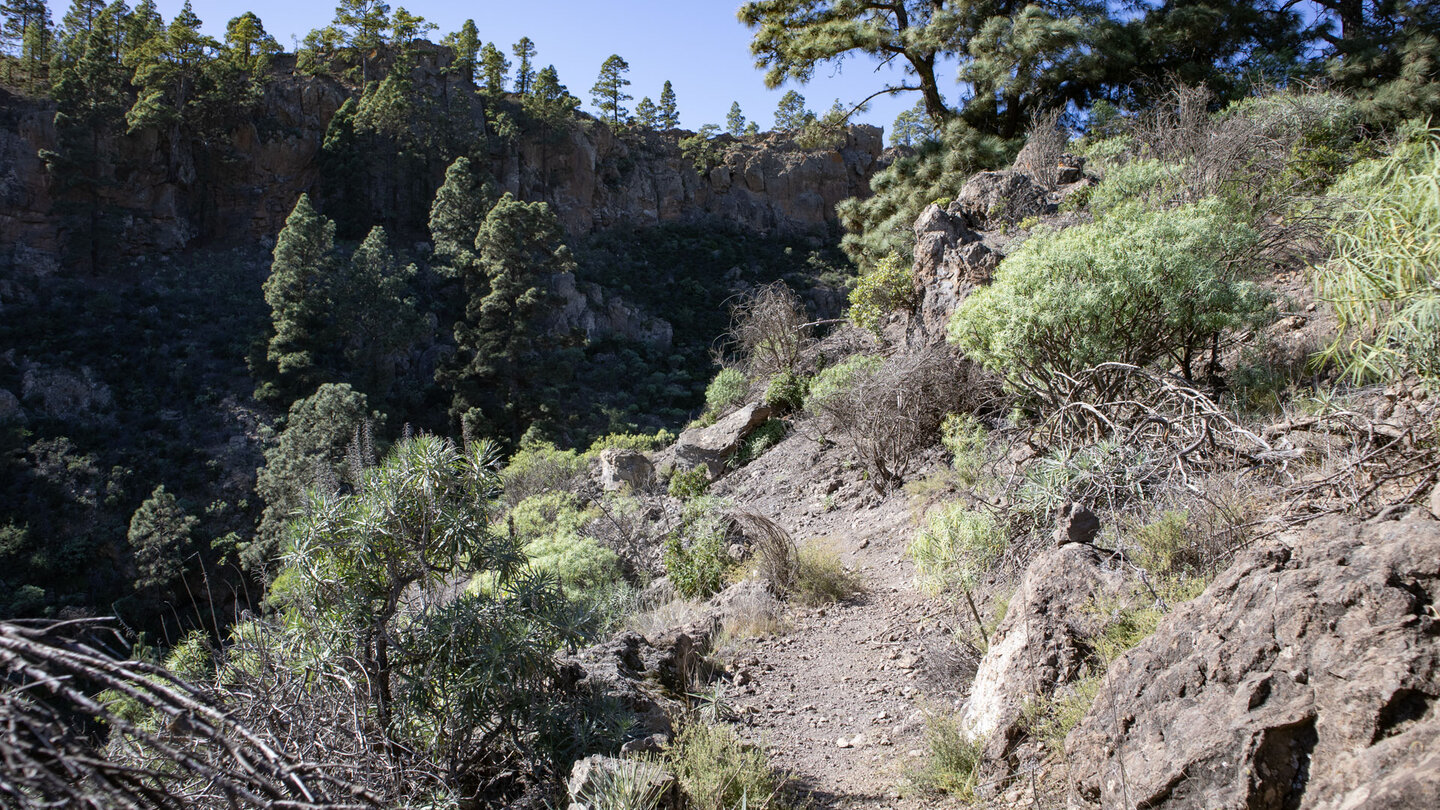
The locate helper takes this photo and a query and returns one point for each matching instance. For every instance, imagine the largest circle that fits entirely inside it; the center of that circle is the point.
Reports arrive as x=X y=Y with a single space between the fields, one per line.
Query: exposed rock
x=64 y=394
x=1435 y=500
x=951 y=261
x=713 y=446
x=10 y=410
x=991 y=200
x=591 y=775
x=1307 y=675
x=618 y=669
x=620 y=468
x=1041 y=643
x=590 y=311
x=1070 y=169
x=1075 y=524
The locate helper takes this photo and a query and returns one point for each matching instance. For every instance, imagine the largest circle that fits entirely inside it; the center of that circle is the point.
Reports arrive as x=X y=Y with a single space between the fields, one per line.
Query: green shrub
x=694 y=554
x=966 y=439
x=1149 y=180
x=641 y=442
x=691 y=483
x=786 y=391
x=1051 y=718
x=579 y=563
x=729 y=388
x=547 y=513
x=1165 y=543
x=821 y=576
x=1135 y=287
x=836 y=380
x=1384 y=281
x=956 y=546
x=887 y=287
x=717 y=771
x=761 y=439
x=952 y=759
x=539 y=467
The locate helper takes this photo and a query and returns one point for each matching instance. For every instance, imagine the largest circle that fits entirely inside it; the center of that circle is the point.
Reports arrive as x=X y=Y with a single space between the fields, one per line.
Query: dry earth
x=839 y=697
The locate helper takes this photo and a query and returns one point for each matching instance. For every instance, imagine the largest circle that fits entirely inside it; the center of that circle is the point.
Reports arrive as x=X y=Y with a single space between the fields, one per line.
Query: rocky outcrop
x=590 y=311
x=622 y=469
x=1042 y=643
x=1306 y=676
x=713 y=446
x=951 y=261
x=159 y=194
x=994 y=200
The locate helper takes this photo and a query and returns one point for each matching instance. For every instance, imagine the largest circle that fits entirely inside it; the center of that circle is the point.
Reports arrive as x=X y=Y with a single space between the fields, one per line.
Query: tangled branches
x=52 y=729
x=1180 y=428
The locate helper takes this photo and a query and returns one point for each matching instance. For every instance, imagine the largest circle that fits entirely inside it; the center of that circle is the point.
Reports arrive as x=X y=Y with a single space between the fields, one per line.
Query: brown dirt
x=869 y=667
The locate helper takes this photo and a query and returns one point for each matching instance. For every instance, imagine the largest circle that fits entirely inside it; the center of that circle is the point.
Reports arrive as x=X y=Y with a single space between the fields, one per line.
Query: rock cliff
x=161 y=194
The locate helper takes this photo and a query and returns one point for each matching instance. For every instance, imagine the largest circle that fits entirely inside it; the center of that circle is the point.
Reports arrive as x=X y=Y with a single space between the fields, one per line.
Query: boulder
x=591 y=777
x=713 y=446
x=1075 y=524
x=1435 y=500
x=10 y=410
x=1042 y=643
x=950 y=261
x=621 y=469
x=1305 y=676
x=992 y=200
x=618 y=669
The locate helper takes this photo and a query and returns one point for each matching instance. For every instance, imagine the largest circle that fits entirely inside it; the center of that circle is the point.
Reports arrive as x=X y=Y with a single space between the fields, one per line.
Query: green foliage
x=1135 y=287
x=786 y=391
x=735 y=120
x=192 y=659
x=309 y=452
x=952 y=759
x=494 y=68
x=691 y=483
x=160 y=535
x=1050 y=719
x=1165 y=543
x=701 y=149
x=549 y=101
x=641 y=442
x=729 y=389
x=912 y=126
x=647 y=115
x=883 y=224
x=1383 y=281
x=790 y=113
x=609 y=91
x=540 y=467
x=524 y=51
x=834 y=381
x=881 y=290
x=1152 y=181
x=669 y=112
x=549 y=526
x=966 y=439
x=297 y=291
x=465 y=44
x=761 y=439
x=717 y=771
x=695 y=555
x=956 y=546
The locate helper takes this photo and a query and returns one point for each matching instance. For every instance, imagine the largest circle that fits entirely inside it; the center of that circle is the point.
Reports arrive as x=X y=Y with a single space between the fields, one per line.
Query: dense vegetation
x=350 y=475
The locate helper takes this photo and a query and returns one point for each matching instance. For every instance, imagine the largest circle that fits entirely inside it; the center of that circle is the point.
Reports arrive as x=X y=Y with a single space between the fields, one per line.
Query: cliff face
x=162 y=195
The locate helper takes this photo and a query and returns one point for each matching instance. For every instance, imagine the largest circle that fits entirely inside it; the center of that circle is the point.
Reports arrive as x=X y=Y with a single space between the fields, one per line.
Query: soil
x=839 y=697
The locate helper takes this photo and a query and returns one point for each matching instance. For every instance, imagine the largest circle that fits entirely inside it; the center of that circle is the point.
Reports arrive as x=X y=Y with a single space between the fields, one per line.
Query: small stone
x=842 y=743
x=884 y=739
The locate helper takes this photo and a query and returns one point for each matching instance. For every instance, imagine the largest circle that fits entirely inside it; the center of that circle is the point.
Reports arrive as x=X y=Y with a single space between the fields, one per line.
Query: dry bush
x=169 y=745
x=887 y=415
x=1045 y=143
x=769 y=328
x=775 y=553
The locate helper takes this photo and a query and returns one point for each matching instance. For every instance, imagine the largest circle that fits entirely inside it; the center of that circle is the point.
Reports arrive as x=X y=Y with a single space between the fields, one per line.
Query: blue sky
x=697 y=44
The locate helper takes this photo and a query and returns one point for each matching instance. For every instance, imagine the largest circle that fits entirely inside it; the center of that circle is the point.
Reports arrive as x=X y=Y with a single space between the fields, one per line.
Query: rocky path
x=839 y=699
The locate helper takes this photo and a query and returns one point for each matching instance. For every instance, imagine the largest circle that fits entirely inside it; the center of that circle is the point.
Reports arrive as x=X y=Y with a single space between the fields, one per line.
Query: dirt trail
x=839 y=698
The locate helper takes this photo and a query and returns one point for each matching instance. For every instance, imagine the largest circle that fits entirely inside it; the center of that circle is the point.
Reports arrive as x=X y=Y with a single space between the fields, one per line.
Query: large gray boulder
x=713 y=446
x=950 y=262
x=621 y=469
x=992 y=200
x=1043 y=643
x=1306 y=676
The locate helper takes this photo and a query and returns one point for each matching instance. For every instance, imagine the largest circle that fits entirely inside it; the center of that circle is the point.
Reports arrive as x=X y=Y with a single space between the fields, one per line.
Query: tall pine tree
x=609 y=90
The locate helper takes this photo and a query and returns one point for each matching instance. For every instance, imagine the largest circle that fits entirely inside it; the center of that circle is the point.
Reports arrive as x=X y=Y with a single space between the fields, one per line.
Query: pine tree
x=752 y=129
x=609 y=91
x=647 y=114
x=459 y=208
x=549 y=101
x=405 y=28
x=465 y=43
x=911 y=126
x=735 y=120
x=248 y=46
x=140 y=26
x=362 y=25
x=669 y=114
x=167 y=70
x=501 y=350
x=495 y=67
x=25 y=29
x=159 y=537
x=308 y=454
x=380 y=318
x=299 y=292
x=524 y=51
x=790 y=113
